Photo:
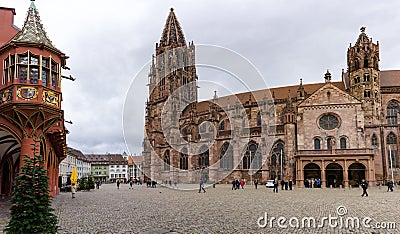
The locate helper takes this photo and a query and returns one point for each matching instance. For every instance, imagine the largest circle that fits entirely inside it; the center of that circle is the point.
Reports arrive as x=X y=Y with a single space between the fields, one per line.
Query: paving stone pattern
x=219 y=210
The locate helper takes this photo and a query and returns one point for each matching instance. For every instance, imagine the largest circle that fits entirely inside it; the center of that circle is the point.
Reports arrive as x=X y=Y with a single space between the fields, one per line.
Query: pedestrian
x=237 y=184
x=233 y=184
x=175 y=184
x=364 y=186
x=290 y=183
x=390 y=186
x=282 y=183
x=201 y=186
x=255 y=183
x=276 y=185
x=98 y=184
x=73 y=190
x=242 y=184
x=131 y=184
x=118 y=182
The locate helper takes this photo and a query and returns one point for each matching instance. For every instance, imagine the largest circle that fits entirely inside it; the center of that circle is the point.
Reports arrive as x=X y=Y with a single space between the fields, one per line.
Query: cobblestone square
x=220 y=210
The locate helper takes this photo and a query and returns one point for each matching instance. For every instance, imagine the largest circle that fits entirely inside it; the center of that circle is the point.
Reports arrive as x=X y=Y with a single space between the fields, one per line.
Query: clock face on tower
x=329 y=122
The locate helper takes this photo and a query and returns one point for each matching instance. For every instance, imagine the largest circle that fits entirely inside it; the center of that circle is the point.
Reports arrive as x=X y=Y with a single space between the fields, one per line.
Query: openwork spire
x=33 y=31
x=363 y=38
x=172 y=33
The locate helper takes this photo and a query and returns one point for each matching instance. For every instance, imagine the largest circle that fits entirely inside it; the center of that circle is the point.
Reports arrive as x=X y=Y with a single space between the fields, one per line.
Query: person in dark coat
x=201 y=186
x=282 y=183
x=364 y=186
x=276 y=184
x=255 y=183
x=290 y=184
x=233 y=184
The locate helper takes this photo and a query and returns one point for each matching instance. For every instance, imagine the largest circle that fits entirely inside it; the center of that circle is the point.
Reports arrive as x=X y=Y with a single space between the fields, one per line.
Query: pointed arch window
x=184 y=160
x=392 y=112
x=366 y=63
x=203 y=128
x=277 y=160
x=249 y=156
x=167 y=161
x=204 y=157
x=226 y=157
x=356 y=64
x=374 y=141
x=222 y=125
x=259 y=119
x=392 y=151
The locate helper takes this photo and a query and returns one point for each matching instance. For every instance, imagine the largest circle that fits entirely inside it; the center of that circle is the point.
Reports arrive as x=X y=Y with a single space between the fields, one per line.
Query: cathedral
x=337 y=132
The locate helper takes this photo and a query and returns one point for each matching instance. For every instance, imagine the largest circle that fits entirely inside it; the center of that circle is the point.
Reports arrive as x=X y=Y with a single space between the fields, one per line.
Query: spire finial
x=362 y=29
x=301 y=81
x=172 y=9
x=327 y=76
x=32 y=4
x=215 y=94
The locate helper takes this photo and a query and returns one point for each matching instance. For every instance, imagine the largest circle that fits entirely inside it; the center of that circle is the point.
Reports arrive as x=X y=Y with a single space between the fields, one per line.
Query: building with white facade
x=118 y=167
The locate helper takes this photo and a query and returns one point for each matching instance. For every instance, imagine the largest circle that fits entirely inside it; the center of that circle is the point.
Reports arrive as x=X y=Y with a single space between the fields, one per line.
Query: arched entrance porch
x=312 y=172
x=356 y=173
x=334 y=175
x=9 y=161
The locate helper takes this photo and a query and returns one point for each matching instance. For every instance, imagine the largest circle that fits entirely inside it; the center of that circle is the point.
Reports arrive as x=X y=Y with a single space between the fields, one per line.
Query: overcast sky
x=110 y=41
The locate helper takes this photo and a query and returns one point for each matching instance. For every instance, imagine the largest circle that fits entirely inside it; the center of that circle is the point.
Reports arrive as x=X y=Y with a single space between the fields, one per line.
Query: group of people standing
x=236 y=184
x=286 y=185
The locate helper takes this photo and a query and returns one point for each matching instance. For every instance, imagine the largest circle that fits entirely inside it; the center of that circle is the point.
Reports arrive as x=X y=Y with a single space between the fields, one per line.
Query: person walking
x=131 y=184
x=282 y=183
x=390 y=186
x=118 y=182
x=233 y=184
x=364 y=186
x=255 y=183
x=290 y=183
x=201 y=186
x=73 y=190
x=276 y=184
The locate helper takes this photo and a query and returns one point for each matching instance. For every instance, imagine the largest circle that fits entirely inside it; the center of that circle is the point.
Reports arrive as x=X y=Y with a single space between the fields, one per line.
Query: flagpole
x=281 y=164
x=391 y=162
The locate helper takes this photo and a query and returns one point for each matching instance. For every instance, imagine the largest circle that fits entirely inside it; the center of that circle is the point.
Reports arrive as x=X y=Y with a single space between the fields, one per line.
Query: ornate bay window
x=29 y=68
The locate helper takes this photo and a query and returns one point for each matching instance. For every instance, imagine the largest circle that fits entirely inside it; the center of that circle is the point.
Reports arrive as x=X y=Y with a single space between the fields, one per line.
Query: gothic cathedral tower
x=173 y=79
x=364 y=76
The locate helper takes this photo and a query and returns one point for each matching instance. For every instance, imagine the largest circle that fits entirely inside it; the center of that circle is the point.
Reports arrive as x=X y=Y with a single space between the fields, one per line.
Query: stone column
x=345 y=175
x=300 y=178
x=27 y=149
x=323 y=179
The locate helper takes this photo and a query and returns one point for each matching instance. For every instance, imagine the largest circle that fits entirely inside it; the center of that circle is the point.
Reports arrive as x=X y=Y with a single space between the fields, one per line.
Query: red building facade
x=30 y=98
